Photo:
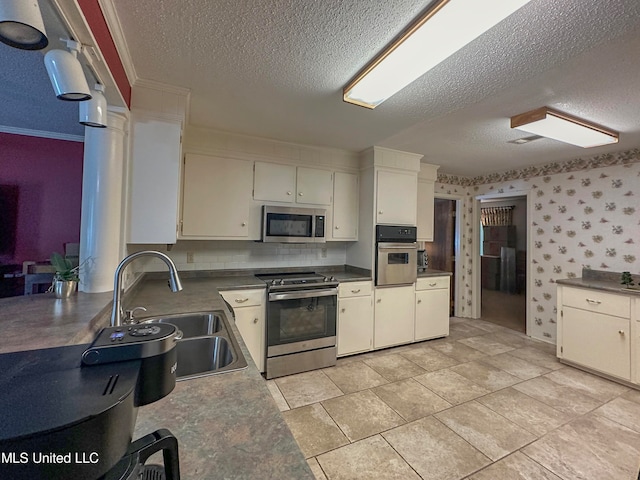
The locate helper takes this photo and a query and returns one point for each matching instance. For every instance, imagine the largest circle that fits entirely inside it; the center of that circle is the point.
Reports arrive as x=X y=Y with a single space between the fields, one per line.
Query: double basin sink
x=208 y=346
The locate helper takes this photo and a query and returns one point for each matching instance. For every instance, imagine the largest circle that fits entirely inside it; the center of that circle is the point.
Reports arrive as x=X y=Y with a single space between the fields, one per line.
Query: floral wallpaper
x=586 y=213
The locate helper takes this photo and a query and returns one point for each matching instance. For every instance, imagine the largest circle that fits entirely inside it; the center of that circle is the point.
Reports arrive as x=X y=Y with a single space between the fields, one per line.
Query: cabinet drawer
x=430 y=283
x=243 y=298
x=354 y=289
x=597 y=301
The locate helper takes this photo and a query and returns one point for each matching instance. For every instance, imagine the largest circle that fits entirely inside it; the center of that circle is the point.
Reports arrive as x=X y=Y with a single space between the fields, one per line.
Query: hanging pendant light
x=65 y=73
x=21 y=25
x=93 y=113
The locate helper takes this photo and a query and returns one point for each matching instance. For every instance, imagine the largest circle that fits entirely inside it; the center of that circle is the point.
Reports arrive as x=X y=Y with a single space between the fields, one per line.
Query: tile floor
x=485 y=403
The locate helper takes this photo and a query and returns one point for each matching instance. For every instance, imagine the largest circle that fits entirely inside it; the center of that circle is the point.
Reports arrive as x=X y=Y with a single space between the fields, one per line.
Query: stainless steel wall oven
x=301 y=322
x=396 y=257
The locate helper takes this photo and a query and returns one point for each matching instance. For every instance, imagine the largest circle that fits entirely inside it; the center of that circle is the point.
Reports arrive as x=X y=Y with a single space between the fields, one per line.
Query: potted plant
x=626 y=280
x=65 y=280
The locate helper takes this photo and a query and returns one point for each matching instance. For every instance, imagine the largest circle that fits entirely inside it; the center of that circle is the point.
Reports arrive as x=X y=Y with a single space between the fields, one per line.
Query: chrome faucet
x=174 y=281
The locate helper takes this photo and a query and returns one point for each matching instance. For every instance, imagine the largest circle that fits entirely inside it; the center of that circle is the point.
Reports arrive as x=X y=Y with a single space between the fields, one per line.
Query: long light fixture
x=65 y=73
x=566 y=128
x=442 y=30
x=93 y=113
x=21 y=25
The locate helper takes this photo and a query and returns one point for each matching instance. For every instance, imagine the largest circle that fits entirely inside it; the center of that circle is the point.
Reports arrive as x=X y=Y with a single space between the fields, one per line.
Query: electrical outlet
x=189 y=257
x=323 y=252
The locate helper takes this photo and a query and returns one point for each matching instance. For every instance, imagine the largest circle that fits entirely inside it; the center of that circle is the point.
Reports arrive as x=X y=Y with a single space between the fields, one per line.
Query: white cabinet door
x=432 y=314
x=155 y=179
x=396 y=198
x=393 y=316
x=597 y=341
x=314 y=186
x=274 y=183
x=345 y=207
x=425 y=211
x=216 y=197
x=355 y=325
x=251 y=323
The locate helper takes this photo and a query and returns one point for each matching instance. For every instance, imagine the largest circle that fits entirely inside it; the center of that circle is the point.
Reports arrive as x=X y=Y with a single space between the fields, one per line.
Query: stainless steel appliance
x=396 y=257
x=301 y=322
x=423 y=260
x=293 y=225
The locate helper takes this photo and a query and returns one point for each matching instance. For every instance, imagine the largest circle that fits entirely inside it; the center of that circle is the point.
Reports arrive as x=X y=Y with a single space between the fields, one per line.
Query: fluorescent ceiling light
x=93 y=112
x=65 y=73
x=442 y=30
x=565 y=128
x=21 y=25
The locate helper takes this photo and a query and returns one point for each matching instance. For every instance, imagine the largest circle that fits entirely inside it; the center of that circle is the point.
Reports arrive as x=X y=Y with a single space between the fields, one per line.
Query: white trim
x=40 y=133
x=115 y=28
x=458 y=285
x=163 y=87
x=477 y=287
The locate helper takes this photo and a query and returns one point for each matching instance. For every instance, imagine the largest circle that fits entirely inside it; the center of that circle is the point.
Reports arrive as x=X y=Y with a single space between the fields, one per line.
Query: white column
x=102 y=189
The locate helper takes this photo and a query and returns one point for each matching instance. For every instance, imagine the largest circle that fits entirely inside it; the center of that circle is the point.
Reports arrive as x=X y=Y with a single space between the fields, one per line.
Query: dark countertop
x=605 y=285
x=430 y=272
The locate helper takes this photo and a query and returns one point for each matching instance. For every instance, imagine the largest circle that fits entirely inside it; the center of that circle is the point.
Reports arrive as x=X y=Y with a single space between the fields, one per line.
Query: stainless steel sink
x=208 y=345
x=192 y=324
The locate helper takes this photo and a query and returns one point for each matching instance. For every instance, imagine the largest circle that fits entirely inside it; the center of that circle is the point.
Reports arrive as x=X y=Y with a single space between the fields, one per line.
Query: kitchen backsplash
x=231 y=255
x=582 y=217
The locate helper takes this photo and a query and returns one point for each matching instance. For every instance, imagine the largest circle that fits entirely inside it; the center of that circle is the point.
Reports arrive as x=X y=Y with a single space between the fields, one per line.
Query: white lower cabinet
x=394 y=316
x=432 y=308
x=594 y=330
x=249 y=310
x=355 y=318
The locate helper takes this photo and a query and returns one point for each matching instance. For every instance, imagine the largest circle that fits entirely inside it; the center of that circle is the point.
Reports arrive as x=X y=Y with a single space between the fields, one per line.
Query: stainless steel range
x=301 y=322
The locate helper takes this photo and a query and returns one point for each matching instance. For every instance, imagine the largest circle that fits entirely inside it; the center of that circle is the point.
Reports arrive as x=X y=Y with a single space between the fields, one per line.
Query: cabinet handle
x=595 y=302
x=379 y=300
x=342 y=310
x=255 y=320
x=621 y=332
x=244 y=224
x=288 y=193
x=419 y=300
x=380 y=212
x=241 y=300
x=433 y=284
x=337 y=227
x=355 y=291
x=300 y=193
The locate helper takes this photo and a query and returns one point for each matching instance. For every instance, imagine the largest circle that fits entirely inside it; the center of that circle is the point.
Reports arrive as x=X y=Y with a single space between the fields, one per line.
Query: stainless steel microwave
x=293 y=225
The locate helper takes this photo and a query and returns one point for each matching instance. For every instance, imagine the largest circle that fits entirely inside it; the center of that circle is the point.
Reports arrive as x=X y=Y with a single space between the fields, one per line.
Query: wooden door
x=442 y=250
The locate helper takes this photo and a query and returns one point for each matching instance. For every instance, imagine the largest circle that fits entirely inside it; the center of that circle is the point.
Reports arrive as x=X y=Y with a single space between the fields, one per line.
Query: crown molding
x=115 y=27
x=41 y=134
x=163 y=87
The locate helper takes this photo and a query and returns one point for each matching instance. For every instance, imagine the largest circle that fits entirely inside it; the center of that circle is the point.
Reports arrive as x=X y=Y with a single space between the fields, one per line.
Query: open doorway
x=503 y=261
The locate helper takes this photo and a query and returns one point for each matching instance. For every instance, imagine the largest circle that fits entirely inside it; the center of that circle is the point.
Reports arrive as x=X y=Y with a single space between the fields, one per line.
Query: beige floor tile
x=515 y=366
x=459 y=351
x=316 y=469
x=633 y=395
x=486 y=376
x=395 y=367
x=434 y=451
x=354 y=377
x=464 y=330
x=306 y=388
x=537 y=357
x=596 y=387
x=531 y=414
x=277 y=396
x=513 y=339
x=590 y=447
x=622 y=411
x=367 y=459
x=362 y=414
x=486 y=345
x=549 y=348
x=515 y=467
x=563 y=398
x=314 y=430
x=410 y=399
x=488 y=326
x=429 y=359
x=451 y=386
x=492 y=434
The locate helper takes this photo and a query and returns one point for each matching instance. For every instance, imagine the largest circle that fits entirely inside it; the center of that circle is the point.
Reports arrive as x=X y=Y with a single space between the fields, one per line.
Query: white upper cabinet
x=286 y=183
x=426 y=184
x=345 y=207
x=216 y=197
x=155 y=178
x=396 y=198
x=274 y=182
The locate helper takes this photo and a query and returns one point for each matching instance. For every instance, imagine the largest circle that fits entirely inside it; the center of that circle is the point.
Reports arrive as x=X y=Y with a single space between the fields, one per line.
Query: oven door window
x=297 y=320
x=397 y=259
x=289 y=225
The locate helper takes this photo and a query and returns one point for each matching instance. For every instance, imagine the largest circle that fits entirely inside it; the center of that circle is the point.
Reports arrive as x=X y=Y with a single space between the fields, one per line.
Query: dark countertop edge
x=430 y=272
x=603 y=285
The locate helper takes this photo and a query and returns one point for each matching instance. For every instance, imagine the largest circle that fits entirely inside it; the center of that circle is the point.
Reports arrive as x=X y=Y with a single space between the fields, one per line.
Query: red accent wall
x=93 y=13
x=49 y=176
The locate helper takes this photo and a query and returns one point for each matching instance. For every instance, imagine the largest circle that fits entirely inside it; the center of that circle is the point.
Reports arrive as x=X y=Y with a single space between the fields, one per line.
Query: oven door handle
x=274 y=297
